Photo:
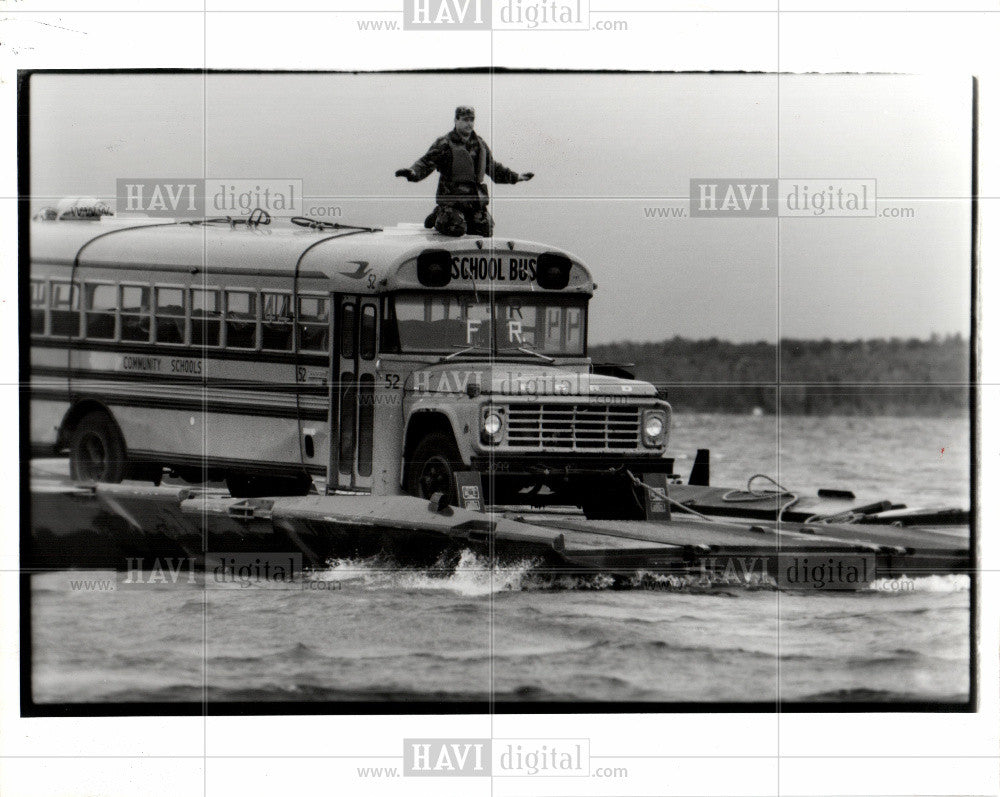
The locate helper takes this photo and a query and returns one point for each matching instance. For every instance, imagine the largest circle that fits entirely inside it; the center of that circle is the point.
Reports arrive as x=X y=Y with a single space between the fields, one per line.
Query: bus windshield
x=447 y=322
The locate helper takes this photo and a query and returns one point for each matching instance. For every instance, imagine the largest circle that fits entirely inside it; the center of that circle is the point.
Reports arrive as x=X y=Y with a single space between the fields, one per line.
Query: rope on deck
x=750 y=494
x=660 y=494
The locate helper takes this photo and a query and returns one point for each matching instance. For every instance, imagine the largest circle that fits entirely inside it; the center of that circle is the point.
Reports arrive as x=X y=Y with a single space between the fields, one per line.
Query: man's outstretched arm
x=425 y=165
x=500 y=173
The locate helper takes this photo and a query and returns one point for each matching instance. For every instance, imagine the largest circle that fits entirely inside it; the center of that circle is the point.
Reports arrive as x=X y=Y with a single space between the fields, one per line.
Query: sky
x=606 y=150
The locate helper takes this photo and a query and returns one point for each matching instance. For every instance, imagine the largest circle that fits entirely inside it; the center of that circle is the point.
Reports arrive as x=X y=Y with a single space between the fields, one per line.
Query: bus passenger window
x=367 y=346
x=169 y=315
x=241 y=320
x=37 y=307
x=204 y=317
x=65 y=314
x=276 y=327
x=347 y=332
x=100 y=306
x=135 y=313
x=314 y=323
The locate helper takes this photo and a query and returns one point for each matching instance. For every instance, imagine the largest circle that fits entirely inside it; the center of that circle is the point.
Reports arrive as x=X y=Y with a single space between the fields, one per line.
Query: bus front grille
x=573 y=427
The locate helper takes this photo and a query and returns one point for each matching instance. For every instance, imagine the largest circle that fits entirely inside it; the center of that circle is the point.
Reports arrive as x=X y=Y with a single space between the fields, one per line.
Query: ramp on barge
x=104 y=525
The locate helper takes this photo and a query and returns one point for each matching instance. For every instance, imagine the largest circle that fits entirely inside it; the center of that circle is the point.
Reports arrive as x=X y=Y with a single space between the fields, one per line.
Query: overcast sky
x=604 y=147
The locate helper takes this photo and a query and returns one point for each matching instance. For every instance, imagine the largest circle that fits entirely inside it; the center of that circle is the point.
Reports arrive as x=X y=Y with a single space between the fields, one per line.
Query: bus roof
x=351 y=260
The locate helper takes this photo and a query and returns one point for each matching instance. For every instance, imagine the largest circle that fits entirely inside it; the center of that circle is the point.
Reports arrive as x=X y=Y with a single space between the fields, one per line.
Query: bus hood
x=523 y=379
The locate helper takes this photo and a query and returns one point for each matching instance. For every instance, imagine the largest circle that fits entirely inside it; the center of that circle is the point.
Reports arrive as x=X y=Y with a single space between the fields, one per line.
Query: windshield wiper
x=526 y=350
x=460 y=352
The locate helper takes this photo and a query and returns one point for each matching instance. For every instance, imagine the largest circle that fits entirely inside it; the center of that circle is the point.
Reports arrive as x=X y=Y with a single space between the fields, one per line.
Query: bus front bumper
x=535 y=464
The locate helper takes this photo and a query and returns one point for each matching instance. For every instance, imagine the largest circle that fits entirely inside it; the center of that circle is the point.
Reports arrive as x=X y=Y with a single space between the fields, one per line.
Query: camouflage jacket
x=462 y=178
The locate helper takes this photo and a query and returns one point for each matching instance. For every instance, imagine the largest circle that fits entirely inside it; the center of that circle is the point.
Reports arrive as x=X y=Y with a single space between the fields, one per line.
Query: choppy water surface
x=360 y=630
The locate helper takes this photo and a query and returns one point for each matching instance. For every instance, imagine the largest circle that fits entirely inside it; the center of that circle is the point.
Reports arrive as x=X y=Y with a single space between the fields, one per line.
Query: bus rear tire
x=97 y=450
x=432 y=467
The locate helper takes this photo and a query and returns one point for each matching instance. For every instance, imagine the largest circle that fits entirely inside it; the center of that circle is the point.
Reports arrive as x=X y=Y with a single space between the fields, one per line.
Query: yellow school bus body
x=233 y=350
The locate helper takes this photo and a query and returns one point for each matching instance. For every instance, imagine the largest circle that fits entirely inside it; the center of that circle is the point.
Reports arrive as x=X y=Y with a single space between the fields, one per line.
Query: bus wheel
x=97 y=450
x=432 y=467
x=613 y=499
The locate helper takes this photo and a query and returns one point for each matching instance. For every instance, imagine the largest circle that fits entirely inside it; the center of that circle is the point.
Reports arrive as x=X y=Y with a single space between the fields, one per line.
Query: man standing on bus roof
x=463 y=161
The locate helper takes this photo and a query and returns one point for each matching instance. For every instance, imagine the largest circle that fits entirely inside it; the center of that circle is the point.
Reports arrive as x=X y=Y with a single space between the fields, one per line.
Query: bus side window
x=367 y=342
x=241 y=319
x=347 y=331
x=100 y=302
x=314 y=323
x=276 y=327
x=170 y=315
x=135 y=313
x=65 y=312
x=574 y=329
x=37 y=307
x=389 y=337
x=205 y=323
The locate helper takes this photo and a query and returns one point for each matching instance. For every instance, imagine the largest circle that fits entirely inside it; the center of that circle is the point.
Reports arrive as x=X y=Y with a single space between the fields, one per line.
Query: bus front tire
x=97 y=450
x=432 y=467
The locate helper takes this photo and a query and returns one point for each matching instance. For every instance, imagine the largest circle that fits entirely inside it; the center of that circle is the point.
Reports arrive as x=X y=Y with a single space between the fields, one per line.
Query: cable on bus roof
x=312 y=224
x=257 y=217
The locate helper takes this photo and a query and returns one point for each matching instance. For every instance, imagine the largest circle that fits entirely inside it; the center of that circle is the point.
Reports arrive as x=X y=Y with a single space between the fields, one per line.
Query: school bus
x=382 y=360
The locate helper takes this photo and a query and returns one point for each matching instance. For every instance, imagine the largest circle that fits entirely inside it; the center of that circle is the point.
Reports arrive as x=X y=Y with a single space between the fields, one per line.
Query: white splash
x=472 y=575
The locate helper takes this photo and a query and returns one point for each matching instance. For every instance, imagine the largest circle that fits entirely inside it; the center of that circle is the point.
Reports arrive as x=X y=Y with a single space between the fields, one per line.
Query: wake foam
x=469 y=574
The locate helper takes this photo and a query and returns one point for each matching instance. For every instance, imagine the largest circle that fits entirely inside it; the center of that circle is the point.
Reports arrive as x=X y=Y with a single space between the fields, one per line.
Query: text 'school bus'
x=382 y=360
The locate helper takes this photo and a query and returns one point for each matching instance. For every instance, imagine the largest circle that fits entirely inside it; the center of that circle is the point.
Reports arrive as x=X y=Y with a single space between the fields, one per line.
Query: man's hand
x=407 y=173
x=523 y=178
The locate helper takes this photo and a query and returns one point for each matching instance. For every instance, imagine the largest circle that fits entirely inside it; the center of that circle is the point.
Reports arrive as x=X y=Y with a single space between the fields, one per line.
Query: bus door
x=354 y=377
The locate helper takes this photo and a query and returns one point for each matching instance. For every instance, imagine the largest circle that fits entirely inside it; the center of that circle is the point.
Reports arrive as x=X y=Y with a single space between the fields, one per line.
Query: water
x=359 y=630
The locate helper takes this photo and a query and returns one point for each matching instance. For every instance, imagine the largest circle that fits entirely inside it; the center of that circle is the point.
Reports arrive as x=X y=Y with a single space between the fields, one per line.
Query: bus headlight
x=492 y=425
x=653 y=427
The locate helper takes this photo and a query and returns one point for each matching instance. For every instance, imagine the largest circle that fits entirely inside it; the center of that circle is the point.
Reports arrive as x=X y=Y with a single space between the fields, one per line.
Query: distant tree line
x=813 y=377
